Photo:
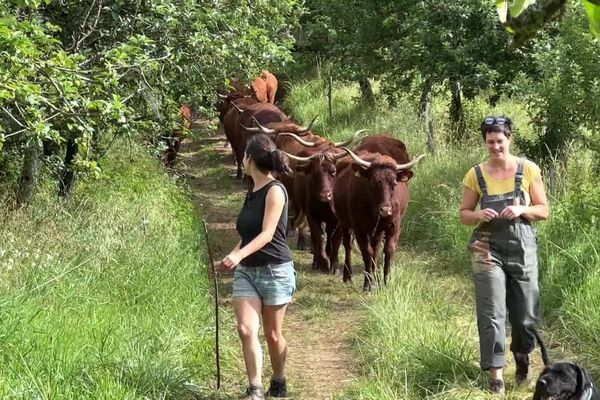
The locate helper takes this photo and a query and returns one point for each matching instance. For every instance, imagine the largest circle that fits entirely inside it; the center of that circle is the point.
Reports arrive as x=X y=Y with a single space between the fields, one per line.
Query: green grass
x=106 y=295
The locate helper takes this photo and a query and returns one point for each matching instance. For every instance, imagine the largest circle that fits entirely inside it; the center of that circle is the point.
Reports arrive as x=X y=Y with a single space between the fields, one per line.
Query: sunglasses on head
x=495 y=121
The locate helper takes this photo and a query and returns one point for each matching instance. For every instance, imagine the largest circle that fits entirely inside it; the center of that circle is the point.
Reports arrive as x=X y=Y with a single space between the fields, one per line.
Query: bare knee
x=246 y=332
x=274 y=337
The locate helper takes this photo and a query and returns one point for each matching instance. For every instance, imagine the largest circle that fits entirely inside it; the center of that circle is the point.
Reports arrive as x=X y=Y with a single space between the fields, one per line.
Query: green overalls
x=505 y=274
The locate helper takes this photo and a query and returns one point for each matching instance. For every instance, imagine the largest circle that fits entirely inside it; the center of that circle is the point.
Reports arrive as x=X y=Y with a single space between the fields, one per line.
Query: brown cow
x=290 y=145
x=225 y=100
x=314 y=173
x=231 y=118
x=370 y=199
x=236 y=124
x=264 y=87
x=234 y=90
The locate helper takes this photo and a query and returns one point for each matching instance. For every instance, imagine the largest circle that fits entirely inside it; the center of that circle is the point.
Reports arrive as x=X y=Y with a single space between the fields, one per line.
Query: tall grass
x=570 y=246
x=414 y=344
x=410 y=347
x=105 y=296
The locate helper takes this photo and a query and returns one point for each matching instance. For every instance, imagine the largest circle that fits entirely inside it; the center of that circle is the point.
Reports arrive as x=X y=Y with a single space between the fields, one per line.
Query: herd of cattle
x=335 y=190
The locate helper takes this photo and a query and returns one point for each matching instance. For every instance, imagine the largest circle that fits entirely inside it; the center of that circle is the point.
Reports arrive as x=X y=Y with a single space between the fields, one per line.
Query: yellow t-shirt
x=501 y=186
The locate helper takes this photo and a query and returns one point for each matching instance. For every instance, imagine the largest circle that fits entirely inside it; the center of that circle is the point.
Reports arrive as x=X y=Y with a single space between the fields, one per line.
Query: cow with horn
x=273 y=129
x=314 y=166
x=236 y=120
x=370 y=197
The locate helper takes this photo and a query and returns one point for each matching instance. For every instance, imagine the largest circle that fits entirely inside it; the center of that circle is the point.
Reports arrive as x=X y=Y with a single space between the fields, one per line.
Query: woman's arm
x=467 y=206
x=274 y=204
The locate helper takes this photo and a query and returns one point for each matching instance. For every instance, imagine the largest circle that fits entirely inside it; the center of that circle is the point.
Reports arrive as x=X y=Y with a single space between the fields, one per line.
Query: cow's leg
x=336 y=241
x=320 y=259
x=389 y=249
x=368 y=258
x=298 y=222
x=239 y=174
x=330 y=229
x=239 y=156
x=347 y=236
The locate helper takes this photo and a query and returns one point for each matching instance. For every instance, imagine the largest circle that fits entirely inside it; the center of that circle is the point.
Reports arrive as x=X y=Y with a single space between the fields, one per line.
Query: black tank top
x=249 y=226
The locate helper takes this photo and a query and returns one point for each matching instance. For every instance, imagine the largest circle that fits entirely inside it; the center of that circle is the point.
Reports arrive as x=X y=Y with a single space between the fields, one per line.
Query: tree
x=565 y=101
x=79 y=74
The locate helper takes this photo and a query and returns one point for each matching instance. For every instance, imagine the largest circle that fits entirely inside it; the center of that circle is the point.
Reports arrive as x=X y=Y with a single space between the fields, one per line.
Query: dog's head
x=564 y=381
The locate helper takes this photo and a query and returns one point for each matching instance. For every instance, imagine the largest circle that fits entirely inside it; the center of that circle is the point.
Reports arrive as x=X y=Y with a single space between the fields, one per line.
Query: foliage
x=90 y=71
x=460 y=47
x=565 y=101
x=105 y=296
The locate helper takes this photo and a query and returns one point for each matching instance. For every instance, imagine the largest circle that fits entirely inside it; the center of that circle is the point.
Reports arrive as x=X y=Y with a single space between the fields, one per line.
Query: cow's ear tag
x=357 y=173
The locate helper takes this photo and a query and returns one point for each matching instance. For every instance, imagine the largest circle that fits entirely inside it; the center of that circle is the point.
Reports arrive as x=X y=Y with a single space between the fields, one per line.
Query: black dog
x=563 y=380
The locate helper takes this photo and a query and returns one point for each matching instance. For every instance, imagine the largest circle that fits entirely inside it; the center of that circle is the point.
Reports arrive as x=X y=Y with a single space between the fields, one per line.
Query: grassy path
x=324 y=314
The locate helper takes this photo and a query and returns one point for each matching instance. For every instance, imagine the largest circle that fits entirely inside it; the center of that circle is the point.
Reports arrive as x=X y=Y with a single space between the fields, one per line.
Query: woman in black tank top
x=264 y=277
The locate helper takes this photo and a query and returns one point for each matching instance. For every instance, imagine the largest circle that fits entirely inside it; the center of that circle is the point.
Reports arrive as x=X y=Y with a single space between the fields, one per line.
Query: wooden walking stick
x=216 y=296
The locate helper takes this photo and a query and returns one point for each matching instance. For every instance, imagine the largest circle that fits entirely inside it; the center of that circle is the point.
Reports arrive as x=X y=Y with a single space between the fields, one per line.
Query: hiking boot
x=497 y=386
x=254 y=393
x=277 y=388
x=521 y=368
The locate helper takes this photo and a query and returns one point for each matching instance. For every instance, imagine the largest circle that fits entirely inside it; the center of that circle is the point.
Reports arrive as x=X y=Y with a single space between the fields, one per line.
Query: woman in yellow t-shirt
x=510 y=194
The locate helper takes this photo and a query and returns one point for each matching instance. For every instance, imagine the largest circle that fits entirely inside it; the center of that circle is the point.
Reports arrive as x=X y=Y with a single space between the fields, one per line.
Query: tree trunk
x=366 y=91
x=425 y=112
x=30 y=174
x=457 y=114
x=329 y=96
x=67 y=178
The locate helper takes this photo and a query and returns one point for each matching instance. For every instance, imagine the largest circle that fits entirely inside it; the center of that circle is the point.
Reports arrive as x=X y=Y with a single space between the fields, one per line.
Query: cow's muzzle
x=326 y=196
x=385 y=211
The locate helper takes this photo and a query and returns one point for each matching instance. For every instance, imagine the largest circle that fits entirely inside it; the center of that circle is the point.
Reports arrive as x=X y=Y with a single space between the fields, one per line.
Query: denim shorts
x=273 y=283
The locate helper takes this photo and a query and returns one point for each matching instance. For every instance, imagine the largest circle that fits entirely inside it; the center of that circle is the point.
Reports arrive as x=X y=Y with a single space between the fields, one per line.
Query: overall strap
x=519 y=178
x=482 y=184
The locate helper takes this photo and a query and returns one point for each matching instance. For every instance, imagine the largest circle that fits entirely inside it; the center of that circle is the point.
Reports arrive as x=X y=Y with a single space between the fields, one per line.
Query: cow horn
x=352 y=139
x=301 y=159
x=357 y=159
x=337 y=156
x=263 y=129
x=298 y=139
x=222 y=96
x=304 y=129
x=408 y=165
x=253 y=129
x=237 y=107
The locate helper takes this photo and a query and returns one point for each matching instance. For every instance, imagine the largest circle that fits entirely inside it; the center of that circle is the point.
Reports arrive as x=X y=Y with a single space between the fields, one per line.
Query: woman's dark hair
x=497 y=124
x=261 y=149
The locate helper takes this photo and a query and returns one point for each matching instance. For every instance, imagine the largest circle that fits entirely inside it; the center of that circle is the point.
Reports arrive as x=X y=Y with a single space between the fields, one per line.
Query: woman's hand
x=512 y=212
x=488 y=214
x=230 y=261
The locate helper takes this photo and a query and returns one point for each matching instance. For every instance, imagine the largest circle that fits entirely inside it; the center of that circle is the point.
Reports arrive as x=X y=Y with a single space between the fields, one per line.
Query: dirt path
x=324 y=315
